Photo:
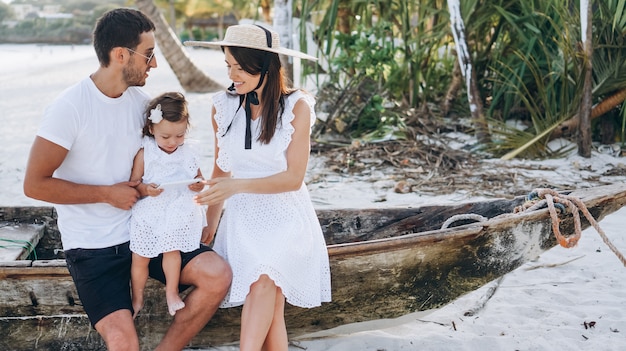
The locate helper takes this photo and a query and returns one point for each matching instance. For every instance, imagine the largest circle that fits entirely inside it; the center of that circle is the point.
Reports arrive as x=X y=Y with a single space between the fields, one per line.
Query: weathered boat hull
x=384 y=263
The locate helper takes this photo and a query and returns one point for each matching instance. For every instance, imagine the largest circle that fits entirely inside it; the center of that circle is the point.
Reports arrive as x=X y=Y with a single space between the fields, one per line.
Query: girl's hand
x=153 y=189
x=197 y=187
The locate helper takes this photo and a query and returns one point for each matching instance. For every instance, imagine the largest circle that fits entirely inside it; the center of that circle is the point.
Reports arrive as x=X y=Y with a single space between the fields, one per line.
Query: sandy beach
x=567 y=299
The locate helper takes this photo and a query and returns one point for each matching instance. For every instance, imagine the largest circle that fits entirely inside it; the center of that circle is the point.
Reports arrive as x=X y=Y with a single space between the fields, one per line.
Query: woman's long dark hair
x=274 y=91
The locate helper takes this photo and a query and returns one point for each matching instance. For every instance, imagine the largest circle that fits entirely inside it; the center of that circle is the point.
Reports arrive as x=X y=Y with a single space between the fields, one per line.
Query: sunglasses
x=148 y=58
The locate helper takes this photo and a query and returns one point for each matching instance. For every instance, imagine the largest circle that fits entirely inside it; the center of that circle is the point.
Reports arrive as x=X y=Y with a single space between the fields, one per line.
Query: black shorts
x=156 y=264
x=102 y=277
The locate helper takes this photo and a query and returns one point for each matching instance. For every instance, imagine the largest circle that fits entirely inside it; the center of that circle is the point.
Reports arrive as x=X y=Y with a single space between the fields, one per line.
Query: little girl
x=167 y=220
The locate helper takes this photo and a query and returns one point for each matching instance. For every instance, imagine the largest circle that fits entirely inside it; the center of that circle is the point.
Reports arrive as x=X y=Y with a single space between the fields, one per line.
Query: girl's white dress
x=274 y=234
x=170 y=221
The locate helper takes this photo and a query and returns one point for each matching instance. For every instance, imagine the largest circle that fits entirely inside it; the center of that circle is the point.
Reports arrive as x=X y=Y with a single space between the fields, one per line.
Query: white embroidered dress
x=170 y=221
x=274 y=234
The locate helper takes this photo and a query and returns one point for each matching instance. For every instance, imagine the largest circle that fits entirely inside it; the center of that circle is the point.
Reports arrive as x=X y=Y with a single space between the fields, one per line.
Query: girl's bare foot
x=174 y=303
x=137 y=305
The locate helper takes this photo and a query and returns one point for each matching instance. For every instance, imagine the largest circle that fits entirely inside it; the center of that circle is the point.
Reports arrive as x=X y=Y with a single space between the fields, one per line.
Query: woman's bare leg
x=257 y=317
x=171 y=268
x=138 y=279
x=277 y=336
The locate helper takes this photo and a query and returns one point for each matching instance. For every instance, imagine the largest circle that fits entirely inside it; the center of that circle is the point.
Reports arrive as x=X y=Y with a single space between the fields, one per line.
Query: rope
x=476 y=217
x=554 y=200
x=24 y=244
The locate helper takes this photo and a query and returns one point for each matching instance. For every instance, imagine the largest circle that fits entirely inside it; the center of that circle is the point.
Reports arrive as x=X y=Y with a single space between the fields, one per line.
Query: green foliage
x=75 y=30
x=5 y=12
x=197 y=33
x=544 y=74
x=407 y=59
x=526 y=56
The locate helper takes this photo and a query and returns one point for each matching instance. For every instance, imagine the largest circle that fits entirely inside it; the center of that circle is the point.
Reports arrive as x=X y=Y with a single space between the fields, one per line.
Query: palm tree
x=191 y=78
x=283 y=24
x=469 y=72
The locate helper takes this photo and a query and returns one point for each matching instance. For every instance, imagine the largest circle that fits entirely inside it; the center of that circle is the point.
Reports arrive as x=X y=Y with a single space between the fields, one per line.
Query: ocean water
x=31 y=76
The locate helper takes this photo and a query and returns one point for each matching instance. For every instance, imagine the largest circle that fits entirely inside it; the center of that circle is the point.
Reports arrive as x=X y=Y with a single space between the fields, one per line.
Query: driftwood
x=385 y=263
x=570 y=126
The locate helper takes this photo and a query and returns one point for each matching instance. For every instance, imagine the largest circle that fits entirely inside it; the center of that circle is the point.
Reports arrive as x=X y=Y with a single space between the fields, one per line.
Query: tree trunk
x=465 y=62
x=344 y=14
x=265 y=10
x=283 y=25
x=172 y=15
x=191 y=78
x=584 y=129
x=455 y=86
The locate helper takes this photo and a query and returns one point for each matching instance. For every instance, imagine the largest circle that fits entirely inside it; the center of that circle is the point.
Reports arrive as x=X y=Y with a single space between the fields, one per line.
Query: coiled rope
x=16 y=243
x=538 y=198
x=459 y=217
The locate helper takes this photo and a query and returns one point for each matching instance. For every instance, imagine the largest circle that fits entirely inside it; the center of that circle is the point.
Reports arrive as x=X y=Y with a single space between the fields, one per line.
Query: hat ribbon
x=252 y=97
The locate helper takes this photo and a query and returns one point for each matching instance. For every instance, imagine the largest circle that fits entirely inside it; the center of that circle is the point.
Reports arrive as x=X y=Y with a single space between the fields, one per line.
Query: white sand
x=532 y=309
x=539 y=309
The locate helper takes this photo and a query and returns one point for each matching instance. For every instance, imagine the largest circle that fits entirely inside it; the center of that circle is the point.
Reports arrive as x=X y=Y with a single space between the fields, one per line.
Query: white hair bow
x=156 y=115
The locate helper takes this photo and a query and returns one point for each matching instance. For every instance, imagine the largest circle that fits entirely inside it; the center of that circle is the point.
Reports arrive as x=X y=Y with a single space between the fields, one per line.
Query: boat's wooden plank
x=20 y=263
x=18 y=240
x=50 y=263
x=44 y=333
x=26 y=214
x=358 y=225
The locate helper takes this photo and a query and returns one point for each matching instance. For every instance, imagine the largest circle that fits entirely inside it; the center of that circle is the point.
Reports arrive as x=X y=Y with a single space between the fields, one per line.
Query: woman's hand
x=219 y=190
x=207 y=235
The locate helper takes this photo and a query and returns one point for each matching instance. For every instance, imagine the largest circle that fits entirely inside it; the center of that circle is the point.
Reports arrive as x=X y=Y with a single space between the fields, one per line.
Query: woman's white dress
x=170 y=221
x=274 y=234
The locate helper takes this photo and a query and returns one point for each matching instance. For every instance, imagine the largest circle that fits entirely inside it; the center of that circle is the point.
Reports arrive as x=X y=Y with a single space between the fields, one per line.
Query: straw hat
x=254 y=37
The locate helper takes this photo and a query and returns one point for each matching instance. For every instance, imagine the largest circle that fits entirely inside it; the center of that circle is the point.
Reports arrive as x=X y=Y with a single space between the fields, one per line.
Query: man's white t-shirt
x=102 y=136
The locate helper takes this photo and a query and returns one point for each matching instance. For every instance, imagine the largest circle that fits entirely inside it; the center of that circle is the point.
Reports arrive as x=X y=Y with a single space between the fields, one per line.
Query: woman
x=269 y=232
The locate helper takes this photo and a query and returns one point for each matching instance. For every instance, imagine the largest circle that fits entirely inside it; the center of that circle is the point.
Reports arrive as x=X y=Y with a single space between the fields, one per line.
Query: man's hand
x=124 y=195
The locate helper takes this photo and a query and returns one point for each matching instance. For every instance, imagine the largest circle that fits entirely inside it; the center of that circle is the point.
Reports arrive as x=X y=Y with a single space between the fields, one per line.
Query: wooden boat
x=384 y=263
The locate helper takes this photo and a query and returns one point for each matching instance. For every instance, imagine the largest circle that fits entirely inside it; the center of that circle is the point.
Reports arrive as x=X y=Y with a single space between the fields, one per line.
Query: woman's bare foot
x=174 y=303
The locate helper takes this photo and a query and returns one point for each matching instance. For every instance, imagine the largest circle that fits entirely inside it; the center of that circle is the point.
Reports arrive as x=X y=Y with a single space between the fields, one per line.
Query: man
x=81 y=160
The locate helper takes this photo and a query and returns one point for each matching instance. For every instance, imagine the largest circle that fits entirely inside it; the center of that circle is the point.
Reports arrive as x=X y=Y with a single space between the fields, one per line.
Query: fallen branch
x=425 y=321
x=552 y=265
x=485 y=298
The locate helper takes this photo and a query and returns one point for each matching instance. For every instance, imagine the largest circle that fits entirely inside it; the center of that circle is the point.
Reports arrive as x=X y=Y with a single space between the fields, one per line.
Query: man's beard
x=133 y=76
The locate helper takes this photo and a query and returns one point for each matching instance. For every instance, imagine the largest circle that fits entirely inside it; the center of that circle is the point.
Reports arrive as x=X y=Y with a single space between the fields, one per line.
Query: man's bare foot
x=174 y=303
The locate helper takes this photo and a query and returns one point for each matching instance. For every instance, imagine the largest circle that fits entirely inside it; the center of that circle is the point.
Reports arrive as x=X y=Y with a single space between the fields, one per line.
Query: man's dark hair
x=120 y=27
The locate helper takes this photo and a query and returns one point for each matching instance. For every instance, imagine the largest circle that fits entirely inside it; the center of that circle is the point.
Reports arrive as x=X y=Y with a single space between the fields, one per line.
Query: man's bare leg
x=118 y=331
x=211 y=276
